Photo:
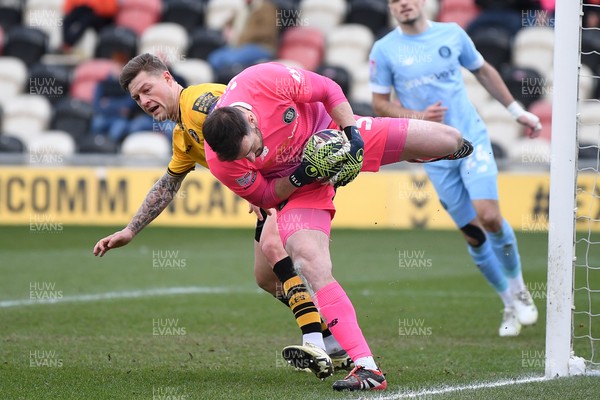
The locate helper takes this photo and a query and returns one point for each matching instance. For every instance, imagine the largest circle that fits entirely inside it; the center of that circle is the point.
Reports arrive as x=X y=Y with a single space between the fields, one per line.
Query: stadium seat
x=339 y=75
x=587 y=82
x=116 y=39
x=288 y=14
x=187 y=13
x=323 y=15
x=361 y=90
x=501 y=126
x=204 y=41
x=525 y=84
x=225 y=74
x=303 y=45
x=589 y=121
x=498 y=151
x=194 y=71
x=478 y=95
x=534 y=48
x=85 y=47
x=146 y=144
x=26 y=115
x=13 y=73
x=96 y=144
x=370 y=13
x=460 y=11
x=138 y=15
x=494 y=44
x=11 y=144
x=543 y=109
x=530 y=151
x=11 y=14
x=588 y=152
x=590 y=44
x=51 y=143
x=51 y=81
x=166 y=40
x=220 y=12
x=87 y=75
x=28 y=44
x=46 y=15
x=73 y=116
x=431 y=11
x=348 y=45
x=362 y=108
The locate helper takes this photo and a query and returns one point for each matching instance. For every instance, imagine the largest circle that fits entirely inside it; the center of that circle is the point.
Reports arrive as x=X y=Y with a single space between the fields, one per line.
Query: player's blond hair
x=143 y=62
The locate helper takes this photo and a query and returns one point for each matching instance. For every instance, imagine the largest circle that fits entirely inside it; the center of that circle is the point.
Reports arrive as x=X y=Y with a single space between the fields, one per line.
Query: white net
x=586 y=314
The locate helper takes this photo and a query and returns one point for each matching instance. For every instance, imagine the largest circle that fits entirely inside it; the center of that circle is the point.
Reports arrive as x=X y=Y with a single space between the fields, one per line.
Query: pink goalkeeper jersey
x=290 y=105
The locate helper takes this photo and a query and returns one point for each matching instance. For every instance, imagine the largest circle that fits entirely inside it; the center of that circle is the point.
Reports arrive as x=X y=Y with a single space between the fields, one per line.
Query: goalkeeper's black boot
x=361 y=378
x=465 y=150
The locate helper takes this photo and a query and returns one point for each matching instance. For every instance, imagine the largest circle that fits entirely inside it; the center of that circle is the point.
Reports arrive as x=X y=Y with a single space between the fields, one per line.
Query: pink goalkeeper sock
x=337 y=310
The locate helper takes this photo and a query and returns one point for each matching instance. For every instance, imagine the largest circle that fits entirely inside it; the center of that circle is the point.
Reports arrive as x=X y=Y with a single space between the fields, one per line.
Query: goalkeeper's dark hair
x=143 y=62
x=224 y=129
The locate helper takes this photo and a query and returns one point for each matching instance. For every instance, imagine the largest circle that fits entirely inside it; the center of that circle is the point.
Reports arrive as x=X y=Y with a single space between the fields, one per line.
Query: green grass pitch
x=428 y=315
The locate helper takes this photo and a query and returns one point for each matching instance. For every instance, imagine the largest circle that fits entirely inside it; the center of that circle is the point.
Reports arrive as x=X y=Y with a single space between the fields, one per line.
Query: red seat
x=543 y=109
x=88 y=74
x=305 y=46
x=138 y=15
x=460 y=11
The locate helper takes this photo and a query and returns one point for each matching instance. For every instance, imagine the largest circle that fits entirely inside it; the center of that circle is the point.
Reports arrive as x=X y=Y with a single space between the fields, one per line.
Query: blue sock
x=504 y=243
x=490 y=267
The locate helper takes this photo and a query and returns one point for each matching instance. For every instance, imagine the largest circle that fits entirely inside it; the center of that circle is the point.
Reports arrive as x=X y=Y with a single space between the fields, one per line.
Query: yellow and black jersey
x=195 y=102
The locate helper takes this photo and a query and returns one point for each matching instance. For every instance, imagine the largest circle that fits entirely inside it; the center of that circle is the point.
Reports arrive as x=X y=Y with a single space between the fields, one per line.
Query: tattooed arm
x=157 y=199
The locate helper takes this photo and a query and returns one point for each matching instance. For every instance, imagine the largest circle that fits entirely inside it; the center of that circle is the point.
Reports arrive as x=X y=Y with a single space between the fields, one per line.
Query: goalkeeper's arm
x=269 y=193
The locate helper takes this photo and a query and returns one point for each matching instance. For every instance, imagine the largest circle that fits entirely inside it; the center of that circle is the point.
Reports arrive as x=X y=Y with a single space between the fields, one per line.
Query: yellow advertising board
x=111 y=196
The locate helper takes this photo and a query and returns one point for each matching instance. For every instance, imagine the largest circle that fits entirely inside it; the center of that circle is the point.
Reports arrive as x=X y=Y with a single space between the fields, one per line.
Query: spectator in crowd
x=83 y=14
x=256 y=42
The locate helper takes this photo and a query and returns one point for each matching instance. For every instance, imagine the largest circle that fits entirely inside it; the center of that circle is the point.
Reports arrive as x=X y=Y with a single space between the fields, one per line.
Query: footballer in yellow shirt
x=195 y=102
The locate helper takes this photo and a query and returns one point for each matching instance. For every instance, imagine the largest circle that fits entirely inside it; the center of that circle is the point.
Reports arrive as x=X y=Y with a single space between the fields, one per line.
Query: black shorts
x=259 y=225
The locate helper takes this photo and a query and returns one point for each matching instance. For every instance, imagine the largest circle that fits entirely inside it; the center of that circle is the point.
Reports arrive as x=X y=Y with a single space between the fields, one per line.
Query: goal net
x=573 y=298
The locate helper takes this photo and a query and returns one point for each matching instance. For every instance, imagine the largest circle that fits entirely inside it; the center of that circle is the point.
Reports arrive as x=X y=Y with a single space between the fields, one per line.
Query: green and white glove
x=322 y=157
x=354 y=159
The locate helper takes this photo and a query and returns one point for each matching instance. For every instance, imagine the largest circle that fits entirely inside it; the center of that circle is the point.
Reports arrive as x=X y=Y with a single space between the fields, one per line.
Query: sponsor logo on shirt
x=289 y=115
x=247 y=179
x=445 y=51
x=427 y=79
x=205 y=102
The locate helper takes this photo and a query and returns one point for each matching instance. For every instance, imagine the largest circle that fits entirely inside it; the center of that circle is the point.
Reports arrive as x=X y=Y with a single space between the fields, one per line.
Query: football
x=326 y=151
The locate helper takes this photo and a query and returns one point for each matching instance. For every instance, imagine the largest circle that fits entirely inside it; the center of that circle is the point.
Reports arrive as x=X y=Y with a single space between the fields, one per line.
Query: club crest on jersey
x=289 y=115
x=205 y=102
x=247 y=179
x=445 y=51
x=194 y=135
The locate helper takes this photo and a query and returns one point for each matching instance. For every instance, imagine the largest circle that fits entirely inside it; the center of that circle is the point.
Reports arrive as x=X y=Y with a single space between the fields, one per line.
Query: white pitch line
x=130 y=294
x=452 y=389
x=196 y=290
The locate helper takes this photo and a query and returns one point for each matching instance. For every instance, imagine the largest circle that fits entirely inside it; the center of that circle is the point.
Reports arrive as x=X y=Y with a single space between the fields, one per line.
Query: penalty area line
x=129 y=294
x=445 y=389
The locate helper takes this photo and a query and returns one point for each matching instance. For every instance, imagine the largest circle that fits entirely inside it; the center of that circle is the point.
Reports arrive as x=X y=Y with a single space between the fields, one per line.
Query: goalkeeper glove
x=304 y=174
x=354 y=158
x=319 y=162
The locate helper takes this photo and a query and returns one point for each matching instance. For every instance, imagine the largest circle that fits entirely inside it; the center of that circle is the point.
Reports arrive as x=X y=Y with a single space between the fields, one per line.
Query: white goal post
x=560 y=360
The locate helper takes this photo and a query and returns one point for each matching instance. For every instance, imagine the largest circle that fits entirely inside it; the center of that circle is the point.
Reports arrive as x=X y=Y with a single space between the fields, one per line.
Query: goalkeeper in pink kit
x=255 y=139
